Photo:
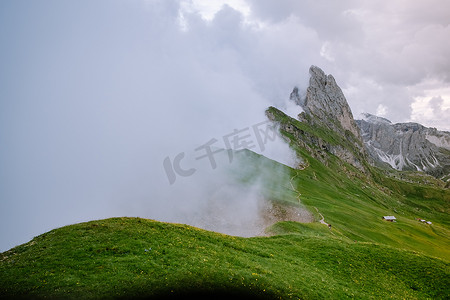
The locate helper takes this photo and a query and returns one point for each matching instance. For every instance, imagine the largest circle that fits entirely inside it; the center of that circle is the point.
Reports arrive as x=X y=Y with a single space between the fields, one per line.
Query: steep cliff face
x=327 y=104
x=406 y=146
x=327 y=114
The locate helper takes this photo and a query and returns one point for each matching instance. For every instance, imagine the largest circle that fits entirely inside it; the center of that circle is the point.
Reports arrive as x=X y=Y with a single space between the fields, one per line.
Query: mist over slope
x=240 y=198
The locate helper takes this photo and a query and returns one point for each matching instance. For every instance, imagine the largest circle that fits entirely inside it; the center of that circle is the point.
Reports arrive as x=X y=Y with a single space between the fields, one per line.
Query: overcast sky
x=94 y=95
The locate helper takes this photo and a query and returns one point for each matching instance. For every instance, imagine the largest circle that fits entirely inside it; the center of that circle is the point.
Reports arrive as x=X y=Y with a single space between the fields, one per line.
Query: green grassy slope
x=355 y=209
x=361 y=257
x=131 y=257
x=354 y=203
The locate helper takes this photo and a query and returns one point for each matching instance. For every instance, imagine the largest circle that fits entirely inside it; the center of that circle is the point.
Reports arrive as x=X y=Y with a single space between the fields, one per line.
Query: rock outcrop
x=406 y=146
x=326 y=110
x=327 y=104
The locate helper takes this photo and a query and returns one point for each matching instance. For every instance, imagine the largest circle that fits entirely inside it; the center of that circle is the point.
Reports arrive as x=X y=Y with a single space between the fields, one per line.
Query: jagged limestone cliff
x=406 y=146
x=327 y=104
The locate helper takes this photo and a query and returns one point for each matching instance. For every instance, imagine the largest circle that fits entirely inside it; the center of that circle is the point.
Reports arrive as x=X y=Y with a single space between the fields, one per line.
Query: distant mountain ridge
x=406 y=146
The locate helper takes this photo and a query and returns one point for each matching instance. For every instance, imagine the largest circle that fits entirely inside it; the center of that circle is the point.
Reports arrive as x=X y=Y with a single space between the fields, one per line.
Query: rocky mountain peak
x=326 y=102
x=296 y=97
x=326 y=111
x=374 y=119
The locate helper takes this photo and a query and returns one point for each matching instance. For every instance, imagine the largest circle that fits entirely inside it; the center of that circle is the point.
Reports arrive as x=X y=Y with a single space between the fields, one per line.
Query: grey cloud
x=381 y=52
x=439 y=111
x=98 y=94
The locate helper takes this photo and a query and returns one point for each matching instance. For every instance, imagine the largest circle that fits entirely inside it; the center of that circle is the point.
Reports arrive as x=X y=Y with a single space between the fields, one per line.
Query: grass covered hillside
x=361 y=256
x=132 y=257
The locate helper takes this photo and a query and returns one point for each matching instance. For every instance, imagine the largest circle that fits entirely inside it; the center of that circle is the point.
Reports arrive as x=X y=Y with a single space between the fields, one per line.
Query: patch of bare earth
x=274 y=212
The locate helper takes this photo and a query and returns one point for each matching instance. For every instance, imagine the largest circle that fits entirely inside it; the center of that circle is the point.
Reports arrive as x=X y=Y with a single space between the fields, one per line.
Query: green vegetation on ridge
x=362 y=256
x=354 y=203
